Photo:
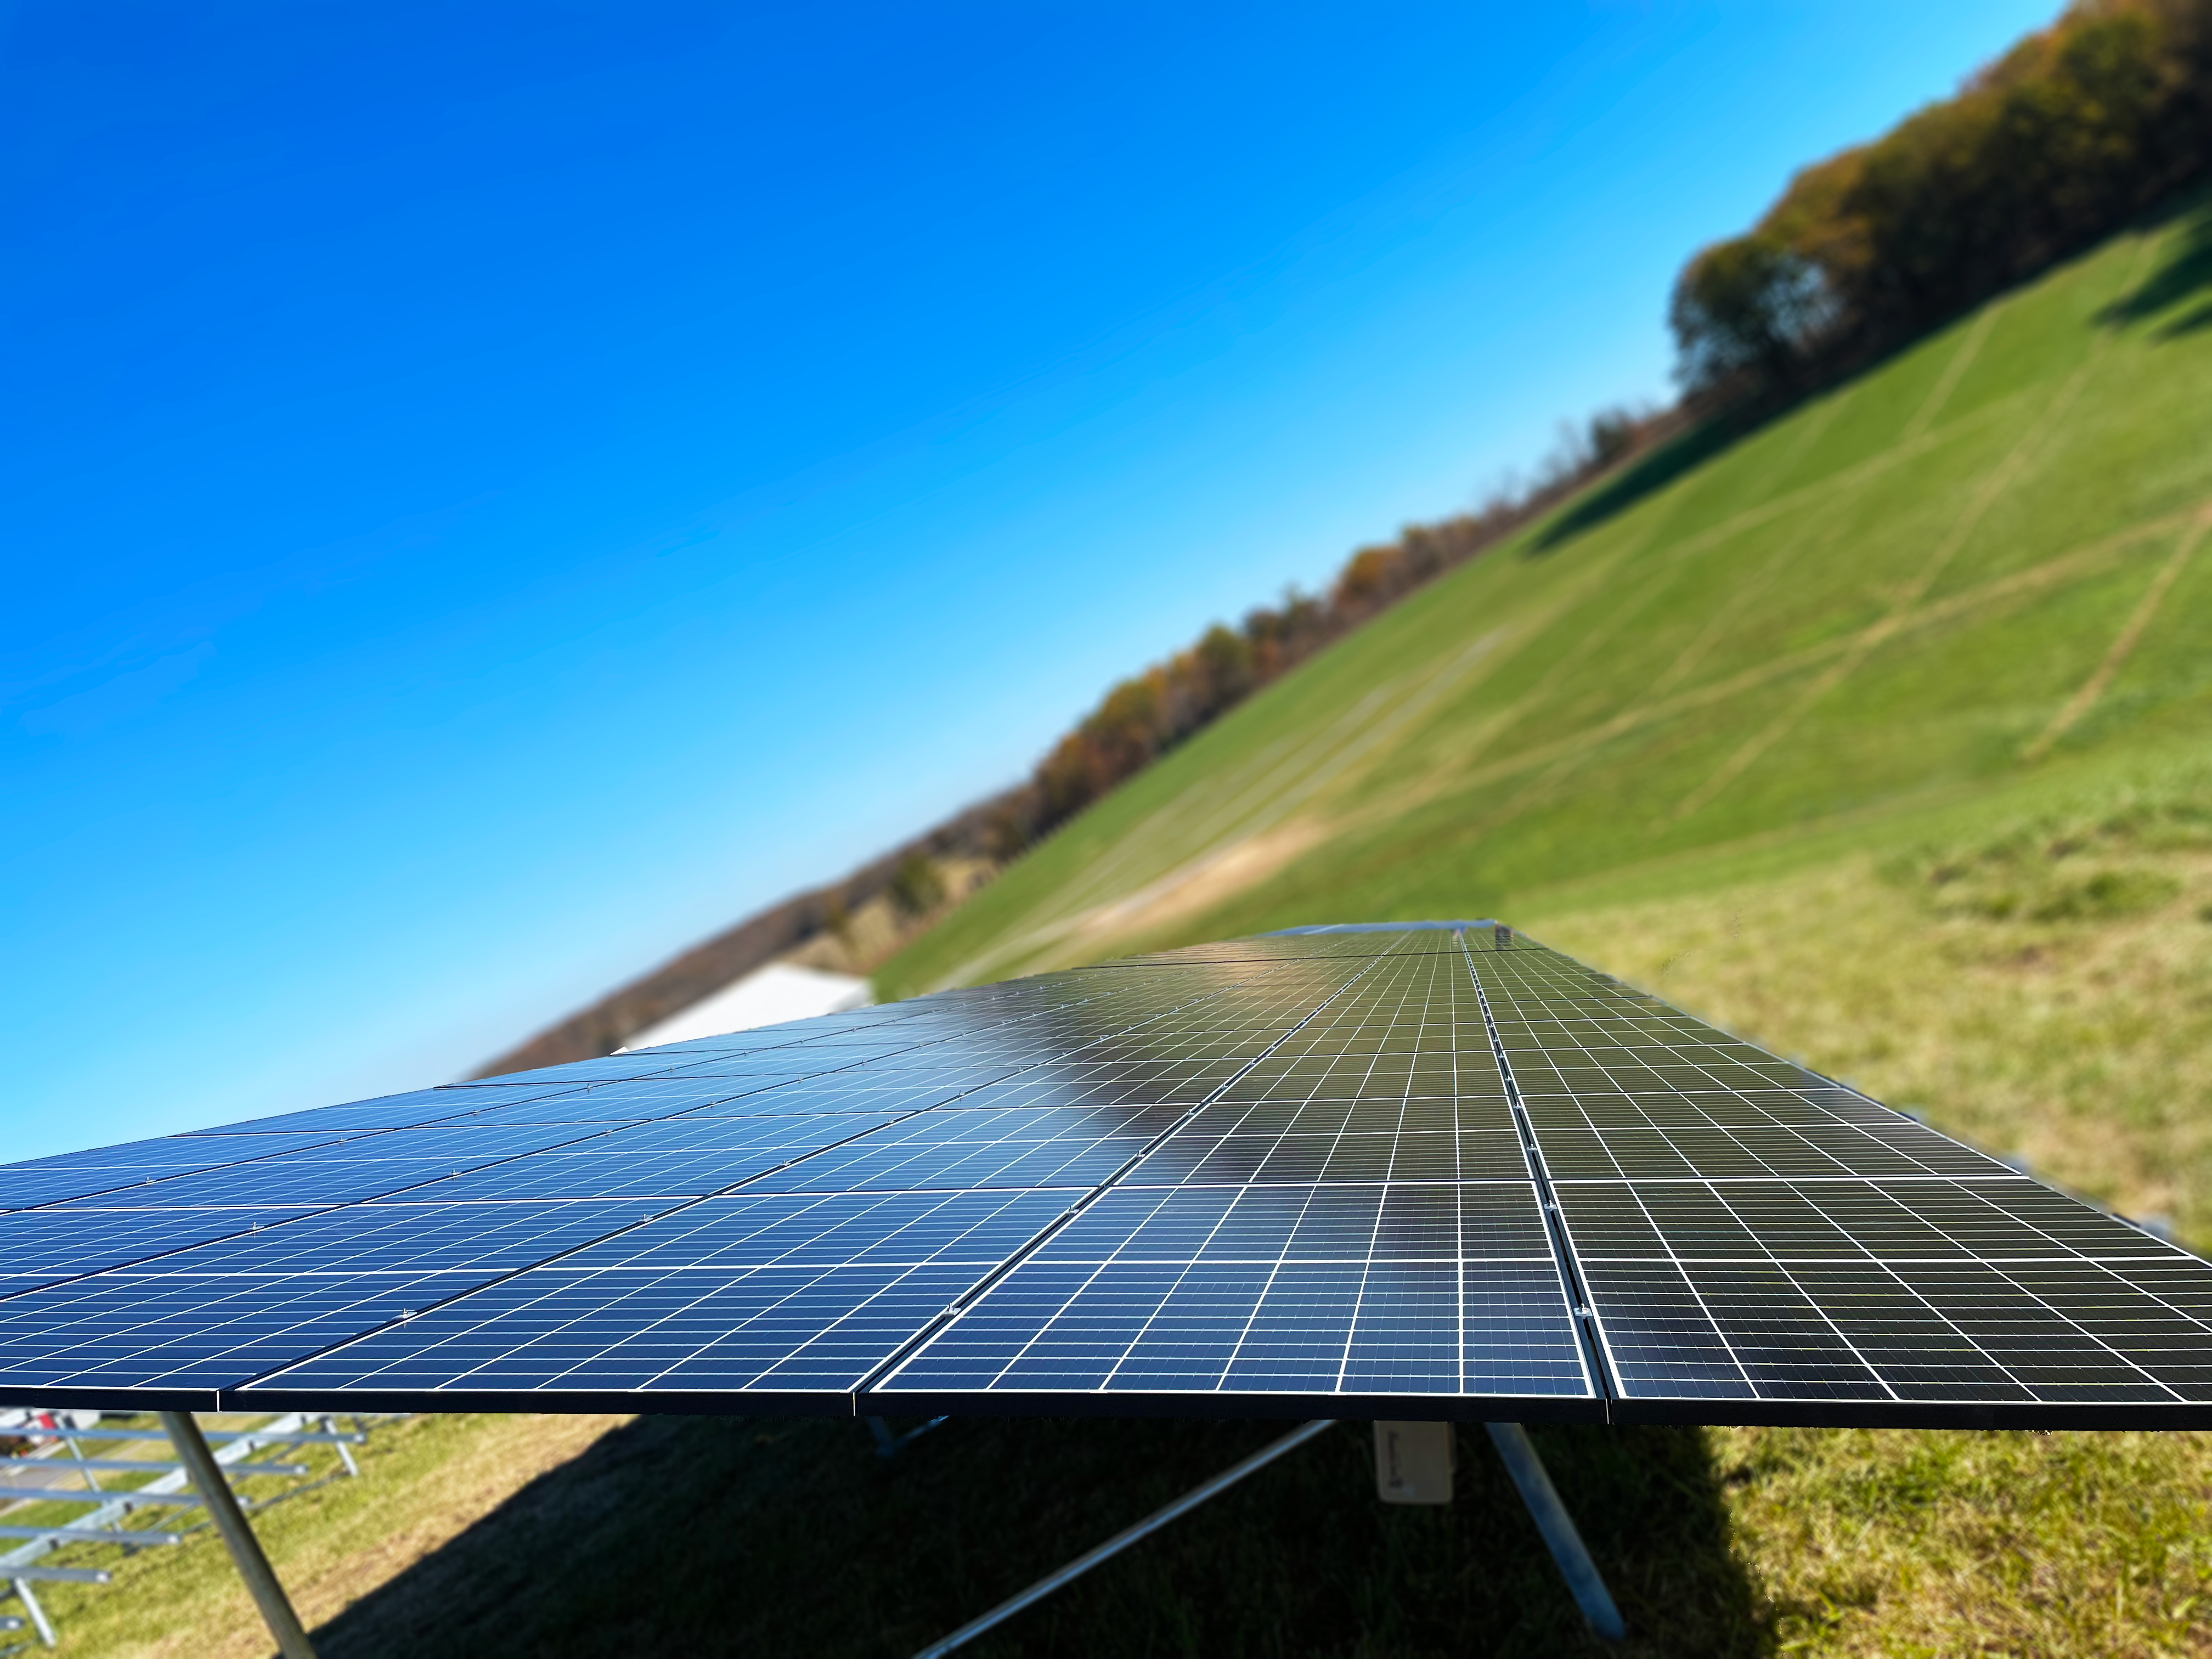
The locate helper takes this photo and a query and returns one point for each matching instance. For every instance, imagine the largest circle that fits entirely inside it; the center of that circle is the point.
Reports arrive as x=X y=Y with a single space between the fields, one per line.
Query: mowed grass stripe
x=2138 y=620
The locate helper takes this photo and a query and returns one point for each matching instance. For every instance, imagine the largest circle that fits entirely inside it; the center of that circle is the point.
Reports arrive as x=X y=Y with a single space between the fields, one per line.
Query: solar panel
x=1421 y=1171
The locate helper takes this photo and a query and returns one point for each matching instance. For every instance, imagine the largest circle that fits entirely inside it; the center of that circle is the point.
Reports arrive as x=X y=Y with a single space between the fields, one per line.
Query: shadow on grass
x=2186 y=276
x=727 y=1535
x=1647 y=477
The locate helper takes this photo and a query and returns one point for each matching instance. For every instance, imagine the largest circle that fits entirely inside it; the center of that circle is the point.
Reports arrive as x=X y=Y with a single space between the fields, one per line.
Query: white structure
x=767 y=996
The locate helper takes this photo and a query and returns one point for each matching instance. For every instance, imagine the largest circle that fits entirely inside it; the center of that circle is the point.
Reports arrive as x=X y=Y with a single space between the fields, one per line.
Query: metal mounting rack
x=199 y=1478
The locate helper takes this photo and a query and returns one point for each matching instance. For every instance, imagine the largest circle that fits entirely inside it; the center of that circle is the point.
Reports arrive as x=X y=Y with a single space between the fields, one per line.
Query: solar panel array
x=1426 y=1171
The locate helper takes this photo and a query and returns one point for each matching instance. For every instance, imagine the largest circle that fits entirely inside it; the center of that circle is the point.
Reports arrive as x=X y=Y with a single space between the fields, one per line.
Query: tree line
x=2072 y=132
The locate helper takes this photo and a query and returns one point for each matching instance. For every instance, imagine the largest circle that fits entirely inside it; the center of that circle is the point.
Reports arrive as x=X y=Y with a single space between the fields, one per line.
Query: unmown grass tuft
x=2066 y=870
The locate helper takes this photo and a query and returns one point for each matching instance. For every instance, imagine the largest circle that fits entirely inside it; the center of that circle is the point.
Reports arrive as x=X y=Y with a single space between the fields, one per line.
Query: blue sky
x=489 y=494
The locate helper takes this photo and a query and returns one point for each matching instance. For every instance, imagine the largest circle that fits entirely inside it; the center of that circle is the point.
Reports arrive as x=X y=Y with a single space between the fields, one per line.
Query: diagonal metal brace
x=1122 y=1540
x=1557 y=1527
x=40 y=1622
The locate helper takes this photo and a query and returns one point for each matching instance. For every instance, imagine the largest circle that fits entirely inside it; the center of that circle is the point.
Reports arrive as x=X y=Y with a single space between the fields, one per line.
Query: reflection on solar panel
x=1434 y=1171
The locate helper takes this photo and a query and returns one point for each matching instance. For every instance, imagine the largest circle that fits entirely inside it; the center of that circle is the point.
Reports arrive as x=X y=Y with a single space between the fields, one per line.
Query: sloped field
x=1975 y=570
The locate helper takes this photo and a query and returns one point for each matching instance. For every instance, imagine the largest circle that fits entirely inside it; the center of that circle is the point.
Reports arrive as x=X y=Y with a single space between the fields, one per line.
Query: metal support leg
x=344 y=1451
x=1558 y=1530
x=1122 y=1540
x=40 y=1622
x=237 y=1536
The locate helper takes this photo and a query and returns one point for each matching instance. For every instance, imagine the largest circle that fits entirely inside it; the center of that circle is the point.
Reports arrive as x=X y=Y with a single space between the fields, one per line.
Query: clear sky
x=489 y=494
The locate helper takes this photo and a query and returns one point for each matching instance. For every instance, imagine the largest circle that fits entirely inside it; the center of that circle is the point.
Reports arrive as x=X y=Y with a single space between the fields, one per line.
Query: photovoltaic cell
x=1426 y=1170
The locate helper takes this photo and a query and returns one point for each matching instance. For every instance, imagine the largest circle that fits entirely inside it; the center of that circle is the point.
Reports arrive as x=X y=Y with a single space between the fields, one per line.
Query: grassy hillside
x=1974 y=571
